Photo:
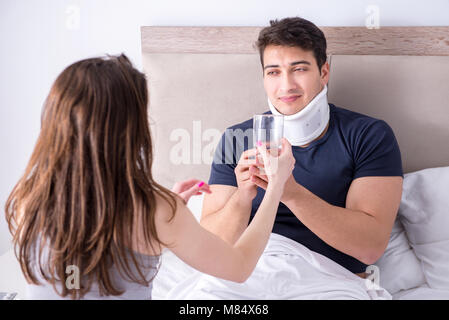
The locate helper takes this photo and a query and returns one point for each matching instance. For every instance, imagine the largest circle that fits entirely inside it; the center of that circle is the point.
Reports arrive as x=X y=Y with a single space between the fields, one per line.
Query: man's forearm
x=229 y=222
x=355 y=233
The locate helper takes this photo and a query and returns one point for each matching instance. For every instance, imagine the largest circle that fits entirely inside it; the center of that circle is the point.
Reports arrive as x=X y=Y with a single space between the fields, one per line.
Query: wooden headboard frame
x=415 y=41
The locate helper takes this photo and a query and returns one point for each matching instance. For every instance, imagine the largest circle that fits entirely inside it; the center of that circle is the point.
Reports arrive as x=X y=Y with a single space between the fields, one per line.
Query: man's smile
x=289 y=99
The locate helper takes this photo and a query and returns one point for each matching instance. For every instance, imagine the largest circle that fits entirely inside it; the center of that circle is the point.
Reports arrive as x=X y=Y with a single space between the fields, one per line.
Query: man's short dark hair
x=294 y=32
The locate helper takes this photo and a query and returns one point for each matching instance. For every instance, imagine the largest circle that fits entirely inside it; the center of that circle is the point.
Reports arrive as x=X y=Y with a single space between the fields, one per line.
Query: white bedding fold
x=286 y=270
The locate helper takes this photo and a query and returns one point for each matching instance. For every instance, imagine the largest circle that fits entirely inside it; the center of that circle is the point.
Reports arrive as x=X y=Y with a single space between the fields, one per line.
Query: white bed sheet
x=422 y=293
x=286 y=270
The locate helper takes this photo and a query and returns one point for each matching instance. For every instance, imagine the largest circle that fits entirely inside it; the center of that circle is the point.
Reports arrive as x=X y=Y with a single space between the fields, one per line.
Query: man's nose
x=288 y=83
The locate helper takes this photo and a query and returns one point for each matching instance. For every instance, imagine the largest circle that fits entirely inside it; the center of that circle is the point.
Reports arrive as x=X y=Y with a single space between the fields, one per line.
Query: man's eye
x=272 y=73
x=300 y=69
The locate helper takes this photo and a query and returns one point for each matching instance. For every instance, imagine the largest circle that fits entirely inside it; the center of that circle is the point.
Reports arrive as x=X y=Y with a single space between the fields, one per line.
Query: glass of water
x=269 y=130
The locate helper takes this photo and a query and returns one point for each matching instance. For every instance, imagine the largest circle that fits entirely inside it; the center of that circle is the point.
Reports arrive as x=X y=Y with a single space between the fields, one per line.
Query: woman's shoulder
x=167 y=206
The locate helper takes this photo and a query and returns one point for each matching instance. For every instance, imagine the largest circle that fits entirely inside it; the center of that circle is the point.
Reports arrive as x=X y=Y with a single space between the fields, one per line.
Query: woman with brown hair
x=87 y=199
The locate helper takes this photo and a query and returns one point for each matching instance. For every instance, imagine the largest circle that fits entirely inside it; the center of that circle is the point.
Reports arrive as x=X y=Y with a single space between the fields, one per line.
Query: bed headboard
x=205 y=79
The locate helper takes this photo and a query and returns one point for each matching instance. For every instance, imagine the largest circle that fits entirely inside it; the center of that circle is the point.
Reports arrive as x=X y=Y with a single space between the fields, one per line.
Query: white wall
x=41 y=37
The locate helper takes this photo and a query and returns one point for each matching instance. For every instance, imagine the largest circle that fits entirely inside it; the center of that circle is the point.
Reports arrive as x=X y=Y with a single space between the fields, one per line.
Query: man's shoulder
x=361 y=129
x=349 y=115
x=244 y=125
x=247 y=124
x=352 y=120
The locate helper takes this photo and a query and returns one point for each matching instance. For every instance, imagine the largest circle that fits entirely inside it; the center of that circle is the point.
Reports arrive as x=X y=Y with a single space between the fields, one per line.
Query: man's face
x=292 y=78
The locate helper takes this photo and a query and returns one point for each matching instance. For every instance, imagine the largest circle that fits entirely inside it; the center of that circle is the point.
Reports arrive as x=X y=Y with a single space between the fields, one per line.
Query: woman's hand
x=192 y=187
x=278 y=168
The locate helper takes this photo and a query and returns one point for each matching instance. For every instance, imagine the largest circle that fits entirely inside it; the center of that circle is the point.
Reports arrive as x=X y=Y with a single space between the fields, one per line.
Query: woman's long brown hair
x=89 y=181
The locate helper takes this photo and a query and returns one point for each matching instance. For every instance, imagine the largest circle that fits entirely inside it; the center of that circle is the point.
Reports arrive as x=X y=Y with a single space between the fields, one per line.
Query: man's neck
x=321 y=135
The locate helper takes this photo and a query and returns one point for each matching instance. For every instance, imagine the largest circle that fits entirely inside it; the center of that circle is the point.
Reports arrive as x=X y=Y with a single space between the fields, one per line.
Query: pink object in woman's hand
x=188 y=188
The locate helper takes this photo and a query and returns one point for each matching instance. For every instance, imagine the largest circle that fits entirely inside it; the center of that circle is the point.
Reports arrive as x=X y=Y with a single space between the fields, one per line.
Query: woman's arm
x=208 y=253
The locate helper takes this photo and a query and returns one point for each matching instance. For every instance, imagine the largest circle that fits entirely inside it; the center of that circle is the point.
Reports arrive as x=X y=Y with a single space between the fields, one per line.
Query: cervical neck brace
x=305 y=126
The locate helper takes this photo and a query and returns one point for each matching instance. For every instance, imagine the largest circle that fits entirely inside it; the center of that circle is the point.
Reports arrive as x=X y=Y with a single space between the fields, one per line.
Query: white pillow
x=399 y=268
x=424 y=212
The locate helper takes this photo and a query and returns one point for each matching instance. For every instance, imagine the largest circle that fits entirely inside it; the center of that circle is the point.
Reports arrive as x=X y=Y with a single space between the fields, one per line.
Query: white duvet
x=286 y=270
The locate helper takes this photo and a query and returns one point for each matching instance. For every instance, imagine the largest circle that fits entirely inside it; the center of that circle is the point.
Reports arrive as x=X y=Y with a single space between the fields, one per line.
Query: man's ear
x=324 y=74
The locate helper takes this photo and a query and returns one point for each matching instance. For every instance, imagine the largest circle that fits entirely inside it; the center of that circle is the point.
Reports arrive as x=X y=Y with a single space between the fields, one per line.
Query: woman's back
x=88 y=184
x=88 y=194
x=131 y=290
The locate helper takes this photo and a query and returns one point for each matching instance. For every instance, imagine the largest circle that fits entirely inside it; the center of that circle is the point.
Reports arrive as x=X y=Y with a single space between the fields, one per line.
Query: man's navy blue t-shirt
x=354 y=146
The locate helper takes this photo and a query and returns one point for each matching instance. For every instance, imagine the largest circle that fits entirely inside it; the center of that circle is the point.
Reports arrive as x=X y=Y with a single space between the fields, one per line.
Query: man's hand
x=261 y=180
x=247 y=189
x=278 y=166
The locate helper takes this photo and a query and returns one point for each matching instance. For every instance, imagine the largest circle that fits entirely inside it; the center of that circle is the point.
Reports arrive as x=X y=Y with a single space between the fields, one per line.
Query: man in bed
x=342 y=198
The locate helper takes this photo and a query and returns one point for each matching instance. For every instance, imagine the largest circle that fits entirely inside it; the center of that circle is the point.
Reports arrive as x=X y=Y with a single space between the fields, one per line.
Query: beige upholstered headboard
x=205 y=79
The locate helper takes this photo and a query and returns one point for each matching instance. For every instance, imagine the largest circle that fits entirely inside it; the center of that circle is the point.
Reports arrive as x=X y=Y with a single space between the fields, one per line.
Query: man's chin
x=290 y=110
